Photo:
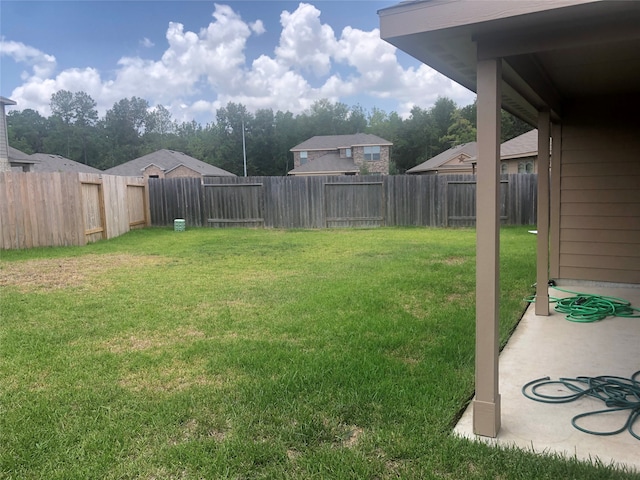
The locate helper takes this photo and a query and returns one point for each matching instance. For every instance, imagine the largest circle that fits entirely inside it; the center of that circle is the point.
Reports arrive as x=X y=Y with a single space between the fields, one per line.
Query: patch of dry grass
x=87 y=272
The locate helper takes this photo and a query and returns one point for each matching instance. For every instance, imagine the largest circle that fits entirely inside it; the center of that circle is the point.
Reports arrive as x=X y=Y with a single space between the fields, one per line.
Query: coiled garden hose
x=586 y=307
x=618 y=394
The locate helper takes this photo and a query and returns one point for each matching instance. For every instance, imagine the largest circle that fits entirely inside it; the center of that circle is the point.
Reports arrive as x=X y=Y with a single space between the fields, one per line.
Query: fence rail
x=64 y=208
x=347 y=201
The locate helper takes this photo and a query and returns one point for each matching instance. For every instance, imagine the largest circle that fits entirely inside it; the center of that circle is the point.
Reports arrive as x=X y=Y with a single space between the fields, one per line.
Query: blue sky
x=195 y=56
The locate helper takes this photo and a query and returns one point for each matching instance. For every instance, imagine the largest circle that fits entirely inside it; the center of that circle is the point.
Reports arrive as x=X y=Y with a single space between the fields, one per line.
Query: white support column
x=542 y=277
x=486 y=405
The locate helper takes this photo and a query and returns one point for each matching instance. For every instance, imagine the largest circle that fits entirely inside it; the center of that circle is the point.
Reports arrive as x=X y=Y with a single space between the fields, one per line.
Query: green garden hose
x=586 y=307
x=618 y=394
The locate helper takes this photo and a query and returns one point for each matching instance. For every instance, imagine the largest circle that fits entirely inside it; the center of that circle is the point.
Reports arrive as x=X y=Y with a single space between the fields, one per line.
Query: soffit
x=559 y=51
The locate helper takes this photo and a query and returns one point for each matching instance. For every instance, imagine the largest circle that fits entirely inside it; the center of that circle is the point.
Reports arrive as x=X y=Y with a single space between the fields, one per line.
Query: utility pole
x=244 y=150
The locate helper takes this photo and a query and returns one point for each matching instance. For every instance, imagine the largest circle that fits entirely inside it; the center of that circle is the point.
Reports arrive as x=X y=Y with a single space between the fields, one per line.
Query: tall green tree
x=460 y=131
x=229 y=124
x=286 y=137
x=160 y=130
x=441 y=118
x=512 y=126
x=85 y=119
x=357 y=120
x=124 y=126
x=261 y=144
x=415 y=140
x=27 y=130
x=324 y=118
x=63 y=111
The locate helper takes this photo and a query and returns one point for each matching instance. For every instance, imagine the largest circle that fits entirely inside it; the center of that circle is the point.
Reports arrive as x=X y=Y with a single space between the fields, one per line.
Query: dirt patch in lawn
x=352 y=436
x=152 y=340
x=175 y=376
x=87 y=271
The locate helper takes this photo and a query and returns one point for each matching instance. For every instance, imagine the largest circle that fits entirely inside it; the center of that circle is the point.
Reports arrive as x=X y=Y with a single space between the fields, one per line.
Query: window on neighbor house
x=525 y=166
x=154 y=176
x=372 y=154
x=347 y=153
x=504 y=168
x=303 y=158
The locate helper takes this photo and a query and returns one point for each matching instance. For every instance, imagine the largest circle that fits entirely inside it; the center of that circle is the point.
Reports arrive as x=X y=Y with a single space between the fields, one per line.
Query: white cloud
x=43 y=65
x=306 y=43
x=145 y=42
x=257 y=27
x=200 y=72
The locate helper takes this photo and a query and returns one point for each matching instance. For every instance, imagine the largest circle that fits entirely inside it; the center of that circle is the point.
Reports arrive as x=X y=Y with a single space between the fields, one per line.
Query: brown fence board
x=307 y=202
x=137 y=205
x=49 y=209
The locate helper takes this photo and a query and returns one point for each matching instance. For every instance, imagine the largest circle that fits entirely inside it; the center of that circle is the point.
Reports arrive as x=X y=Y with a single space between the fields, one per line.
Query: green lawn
x=238 y=353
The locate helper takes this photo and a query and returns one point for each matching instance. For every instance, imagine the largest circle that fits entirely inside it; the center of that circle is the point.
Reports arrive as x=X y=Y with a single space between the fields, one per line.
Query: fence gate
x=137 y=205
x=461 y=203
x=240 y=204
x=358 y=204
x=93 y=210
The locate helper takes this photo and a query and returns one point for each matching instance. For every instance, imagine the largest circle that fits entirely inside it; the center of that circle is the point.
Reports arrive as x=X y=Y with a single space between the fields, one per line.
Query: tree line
x=132 y=128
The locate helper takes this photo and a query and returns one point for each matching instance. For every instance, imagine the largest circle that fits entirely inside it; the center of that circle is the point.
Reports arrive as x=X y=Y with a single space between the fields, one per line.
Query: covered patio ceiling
x=589 y=49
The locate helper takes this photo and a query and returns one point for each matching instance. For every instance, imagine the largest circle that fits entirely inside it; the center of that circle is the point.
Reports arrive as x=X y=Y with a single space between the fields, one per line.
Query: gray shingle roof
x=19 y=156
x=331 y=142
x=525 y=145
x=167 y=160
x=469 y=149
x=45 y=162
x=330 y=163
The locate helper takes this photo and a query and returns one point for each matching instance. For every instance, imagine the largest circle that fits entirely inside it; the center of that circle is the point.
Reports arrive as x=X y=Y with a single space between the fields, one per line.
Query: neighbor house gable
x=517 y=155
x=163 y=161
x=453 y=160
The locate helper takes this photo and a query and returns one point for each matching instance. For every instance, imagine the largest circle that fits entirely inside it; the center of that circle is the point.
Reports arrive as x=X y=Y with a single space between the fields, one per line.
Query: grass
x=240 y=353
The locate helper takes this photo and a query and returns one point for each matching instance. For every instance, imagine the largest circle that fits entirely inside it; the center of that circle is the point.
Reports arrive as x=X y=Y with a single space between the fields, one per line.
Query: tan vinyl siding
x=600 y=192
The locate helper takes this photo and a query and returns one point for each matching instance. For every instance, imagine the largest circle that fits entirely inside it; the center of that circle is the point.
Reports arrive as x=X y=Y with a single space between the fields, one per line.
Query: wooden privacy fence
x=64 y=208
x=338 y=201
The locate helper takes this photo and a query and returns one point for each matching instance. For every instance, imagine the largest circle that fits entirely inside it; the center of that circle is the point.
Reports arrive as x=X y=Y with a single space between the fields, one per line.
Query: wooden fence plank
x=306 y=202
x=48 y=209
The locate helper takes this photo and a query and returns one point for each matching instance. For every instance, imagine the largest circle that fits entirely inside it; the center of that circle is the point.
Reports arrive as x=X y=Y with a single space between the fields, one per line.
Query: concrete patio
x=555 y=347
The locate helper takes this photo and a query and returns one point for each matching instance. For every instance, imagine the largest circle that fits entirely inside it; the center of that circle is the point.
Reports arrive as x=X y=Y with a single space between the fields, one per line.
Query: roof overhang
x=551 y=50
x=7 y=101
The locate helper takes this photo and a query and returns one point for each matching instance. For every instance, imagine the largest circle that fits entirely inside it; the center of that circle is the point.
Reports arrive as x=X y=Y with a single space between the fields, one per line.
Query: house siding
x=513 y=164
x=600 y=192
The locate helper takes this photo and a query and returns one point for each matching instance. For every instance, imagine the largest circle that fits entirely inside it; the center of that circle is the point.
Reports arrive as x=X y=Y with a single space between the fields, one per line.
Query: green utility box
x=179 y=225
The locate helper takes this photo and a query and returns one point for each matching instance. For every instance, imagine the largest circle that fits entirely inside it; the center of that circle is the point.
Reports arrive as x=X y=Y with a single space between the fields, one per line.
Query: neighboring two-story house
x=358 y=154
